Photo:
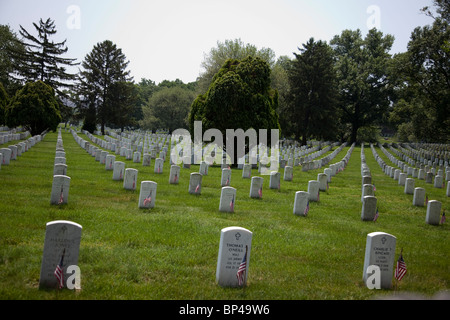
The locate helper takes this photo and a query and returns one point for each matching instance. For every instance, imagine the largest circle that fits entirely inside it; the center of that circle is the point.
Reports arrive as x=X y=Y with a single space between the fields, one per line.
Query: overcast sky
x=167 y=40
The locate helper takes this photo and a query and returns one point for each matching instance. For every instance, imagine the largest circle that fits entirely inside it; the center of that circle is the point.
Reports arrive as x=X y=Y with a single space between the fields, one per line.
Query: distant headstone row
x=61 y=182
x=14 y=151
x=433 y=215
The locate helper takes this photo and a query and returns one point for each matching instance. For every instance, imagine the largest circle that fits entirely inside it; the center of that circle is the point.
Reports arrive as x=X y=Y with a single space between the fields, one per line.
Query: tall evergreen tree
x=10 y=48
x=312 y=99
x=102 y=67
x=42 y=60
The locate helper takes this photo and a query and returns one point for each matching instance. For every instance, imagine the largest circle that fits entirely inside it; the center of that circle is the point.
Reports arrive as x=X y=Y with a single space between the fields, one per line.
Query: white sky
x=166 y=40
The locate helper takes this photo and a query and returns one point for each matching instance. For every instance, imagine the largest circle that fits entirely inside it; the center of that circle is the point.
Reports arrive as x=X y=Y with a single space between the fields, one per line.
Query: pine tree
x=103 y=66
x=43 y=59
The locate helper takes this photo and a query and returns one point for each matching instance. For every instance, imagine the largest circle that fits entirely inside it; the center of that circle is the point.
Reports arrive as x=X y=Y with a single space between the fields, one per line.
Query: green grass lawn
x=170 y=252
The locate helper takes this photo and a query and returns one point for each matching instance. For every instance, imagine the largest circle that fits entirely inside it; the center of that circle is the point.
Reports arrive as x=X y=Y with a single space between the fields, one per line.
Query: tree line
x=349 y=89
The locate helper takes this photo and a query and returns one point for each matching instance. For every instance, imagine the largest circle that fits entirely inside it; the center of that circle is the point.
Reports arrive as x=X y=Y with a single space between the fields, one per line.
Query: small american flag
x=306 y=209
x=196 y=189
x=175 y=178
x=228 y=181
x=443 y=217
x=59 y=271
x=61 y=196
x=232 y=204
x=148 y=200
x=260 y=192
x=400 y=269
x=242 y=269
x=376 y=216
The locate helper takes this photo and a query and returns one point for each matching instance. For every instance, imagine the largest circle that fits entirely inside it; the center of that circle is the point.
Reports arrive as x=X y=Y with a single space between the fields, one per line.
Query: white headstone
x=419 y=197
x=380 y=251
x=227 y=199
x=256 y=187
x=130 y=179
x=174 y=175
x=288 y=173
x=369 y=208
x=147 y=194
x=328 y=172
x=109 y=162
x=136 y=157
x=6 y=156
x=203 y=168
x=313 y=190
x=103 y=156
x=226 y=177
x=60 y=169
x=234 y=255
x=247 y=171
x=439 y=181
x=274 y=182
x=366 y=180
x=323 y=181
x=409 y=186
x=159 y=165
x=433 y=212
x=301 y=203
x=119 y=170
x=367 y=190
x=195 y=183
x=61 y=244
x=402 y=179
x=60 y=189
x=14 y=154
x=146 y=160
x=60 y=160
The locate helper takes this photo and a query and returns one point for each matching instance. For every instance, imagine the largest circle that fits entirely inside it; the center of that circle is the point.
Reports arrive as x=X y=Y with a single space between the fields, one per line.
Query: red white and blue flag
x=242 y=269
x=232 y=204
x=400 y=269
x=59 y=271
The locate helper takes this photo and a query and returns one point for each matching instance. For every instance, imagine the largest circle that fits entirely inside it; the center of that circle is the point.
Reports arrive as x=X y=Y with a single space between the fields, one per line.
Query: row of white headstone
x=433 y=214
x=61 y=182
x=63 y=238
x=12 y=152
x=369 y=211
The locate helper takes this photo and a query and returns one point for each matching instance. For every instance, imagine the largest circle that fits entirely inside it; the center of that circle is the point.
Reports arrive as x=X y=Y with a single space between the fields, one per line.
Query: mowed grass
x=170 y=252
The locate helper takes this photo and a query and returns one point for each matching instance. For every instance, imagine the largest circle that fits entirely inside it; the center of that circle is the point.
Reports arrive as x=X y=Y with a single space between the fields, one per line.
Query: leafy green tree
x=230 y=49
x=168 y=108
x=4 y=100
x=421 y=109
x=240 y=97
x=280 y=82
x=34 y=107
x=102 y=67
x=362 y=73
x=42 y=59
x=313 y=93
